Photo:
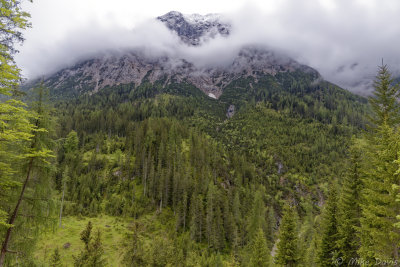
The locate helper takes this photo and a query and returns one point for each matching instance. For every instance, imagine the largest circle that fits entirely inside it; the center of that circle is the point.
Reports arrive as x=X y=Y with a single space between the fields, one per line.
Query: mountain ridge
x=90 y=76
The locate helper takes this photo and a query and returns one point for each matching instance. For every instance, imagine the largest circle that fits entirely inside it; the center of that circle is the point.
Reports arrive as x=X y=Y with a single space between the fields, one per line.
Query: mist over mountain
x=197 y=38
x=345 y=50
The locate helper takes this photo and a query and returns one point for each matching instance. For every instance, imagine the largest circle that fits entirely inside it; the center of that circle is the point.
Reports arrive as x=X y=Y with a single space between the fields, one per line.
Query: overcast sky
x=344 y=40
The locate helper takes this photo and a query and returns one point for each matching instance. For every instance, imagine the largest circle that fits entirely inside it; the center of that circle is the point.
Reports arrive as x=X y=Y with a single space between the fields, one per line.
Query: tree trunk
x=4 y=249
x=62 y=204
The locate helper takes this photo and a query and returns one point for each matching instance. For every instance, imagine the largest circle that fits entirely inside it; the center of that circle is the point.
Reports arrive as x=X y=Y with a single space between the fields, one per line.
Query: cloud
x=92 y=39
x=344 y=40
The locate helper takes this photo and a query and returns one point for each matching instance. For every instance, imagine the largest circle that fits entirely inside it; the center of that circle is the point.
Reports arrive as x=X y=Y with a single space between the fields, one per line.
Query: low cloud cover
x=344 y=40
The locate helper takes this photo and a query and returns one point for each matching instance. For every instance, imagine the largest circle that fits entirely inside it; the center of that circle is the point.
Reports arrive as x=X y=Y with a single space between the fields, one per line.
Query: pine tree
x=134 y=253
x=385 y=107
x=210 y=213
x=287 y=254
x=86 y=234
x=197 y=217
x=92 y=255
x=15 y=121
x=71 y=143
x=349 y=207
x=34 y=162
x=328 y=247
x=55 y=260
x=270 y=228
x=95 y=258
x=259 y=252
x=378 y=234
x=257 y=216
x=237 y=238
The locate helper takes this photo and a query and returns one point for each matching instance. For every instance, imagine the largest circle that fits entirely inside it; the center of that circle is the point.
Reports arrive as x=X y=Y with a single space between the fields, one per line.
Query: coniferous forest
x=302 y=174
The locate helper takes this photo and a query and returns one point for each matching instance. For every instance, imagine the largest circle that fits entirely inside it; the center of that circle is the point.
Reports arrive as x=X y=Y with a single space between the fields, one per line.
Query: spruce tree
x=210 y=213
x=288 y=253
x=378 y=234
x=86 y=234
x=55 y=260
x=92 y=255
x=328 y=246
x=349 y=207
x=96 y=252
x=259 y=251
x=257 y=215
x=385 y=107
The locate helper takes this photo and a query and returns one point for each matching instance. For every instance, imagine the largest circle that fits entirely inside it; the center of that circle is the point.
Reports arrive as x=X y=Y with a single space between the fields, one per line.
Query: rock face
x=230 y=112
x=90 y=76
x=192 y=29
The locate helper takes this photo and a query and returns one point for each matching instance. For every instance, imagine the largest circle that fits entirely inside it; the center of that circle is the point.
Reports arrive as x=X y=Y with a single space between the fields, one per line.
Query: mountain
x=90 y=76
x=194 y=29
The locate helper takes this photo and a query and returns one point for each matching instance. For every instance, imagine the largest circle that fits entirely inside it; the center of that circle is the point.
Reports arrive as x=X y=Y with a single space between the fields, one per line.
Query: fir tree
x=257 y=216
x=378 y=234
x=349 y=206
x=328 y=246
x=55 y=260
x=385 y=107
x=95 y=258
x=134 y=253
x=86 y=234
x=287 y=254
x=92 y=255
x=259 y=252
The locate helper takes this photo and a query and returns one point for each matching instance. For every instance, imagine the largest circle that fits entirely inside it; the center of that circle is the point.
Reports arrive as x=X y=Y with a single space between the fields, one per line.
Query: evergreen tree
x=197 y=218
x=349 y=207
x=210 y=213
x=288 y=253
x=86 y=234
x=385 y=107
x=257 y=216
x=328 y=246
x=55 y=260
x=259 y=252
x=34 y=163
x=95 y=258
x=134 y=253
x=378 y=234
x=15 y=121
x=92 y=255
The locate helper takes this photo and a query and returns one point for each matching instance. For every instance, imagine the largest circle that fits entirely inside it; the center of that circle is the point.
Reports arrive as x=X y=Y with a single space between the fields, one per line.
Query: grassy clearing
x=113 y=229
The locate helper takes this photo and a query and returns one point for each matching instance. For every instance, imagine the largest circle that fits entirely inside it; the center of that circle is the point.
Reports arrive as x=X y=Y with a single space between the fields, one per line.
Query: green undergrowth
x=113 y=232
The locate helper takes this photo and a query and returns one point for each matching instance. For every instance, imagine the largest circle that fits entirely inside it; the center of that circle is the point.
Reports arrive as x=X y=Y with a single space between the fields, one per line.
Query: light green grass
x=113 y=233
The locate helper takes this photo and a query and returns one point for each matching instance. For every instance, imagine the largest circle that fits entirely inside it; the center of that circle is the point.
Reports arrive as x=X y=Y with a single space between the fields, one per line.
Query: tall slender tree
x=349 y=206
x=328 y=246
x=378 y=234
x=259 y=255
x=36 y=164
x=257 y=216
x=288 y=253
x=385 y=107
x=15 y=125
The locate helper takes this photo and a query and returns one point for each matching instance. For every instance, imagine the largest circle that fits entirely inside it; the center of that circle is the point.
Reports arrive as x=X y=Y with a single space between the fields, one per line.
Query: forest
x=302 y=174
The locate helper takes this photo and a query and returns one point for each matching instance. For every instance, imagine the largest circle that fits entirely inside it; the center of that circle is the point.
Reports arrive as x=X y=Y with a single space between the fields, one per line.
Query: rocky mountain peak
x=90 y=76
x=195 y=29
